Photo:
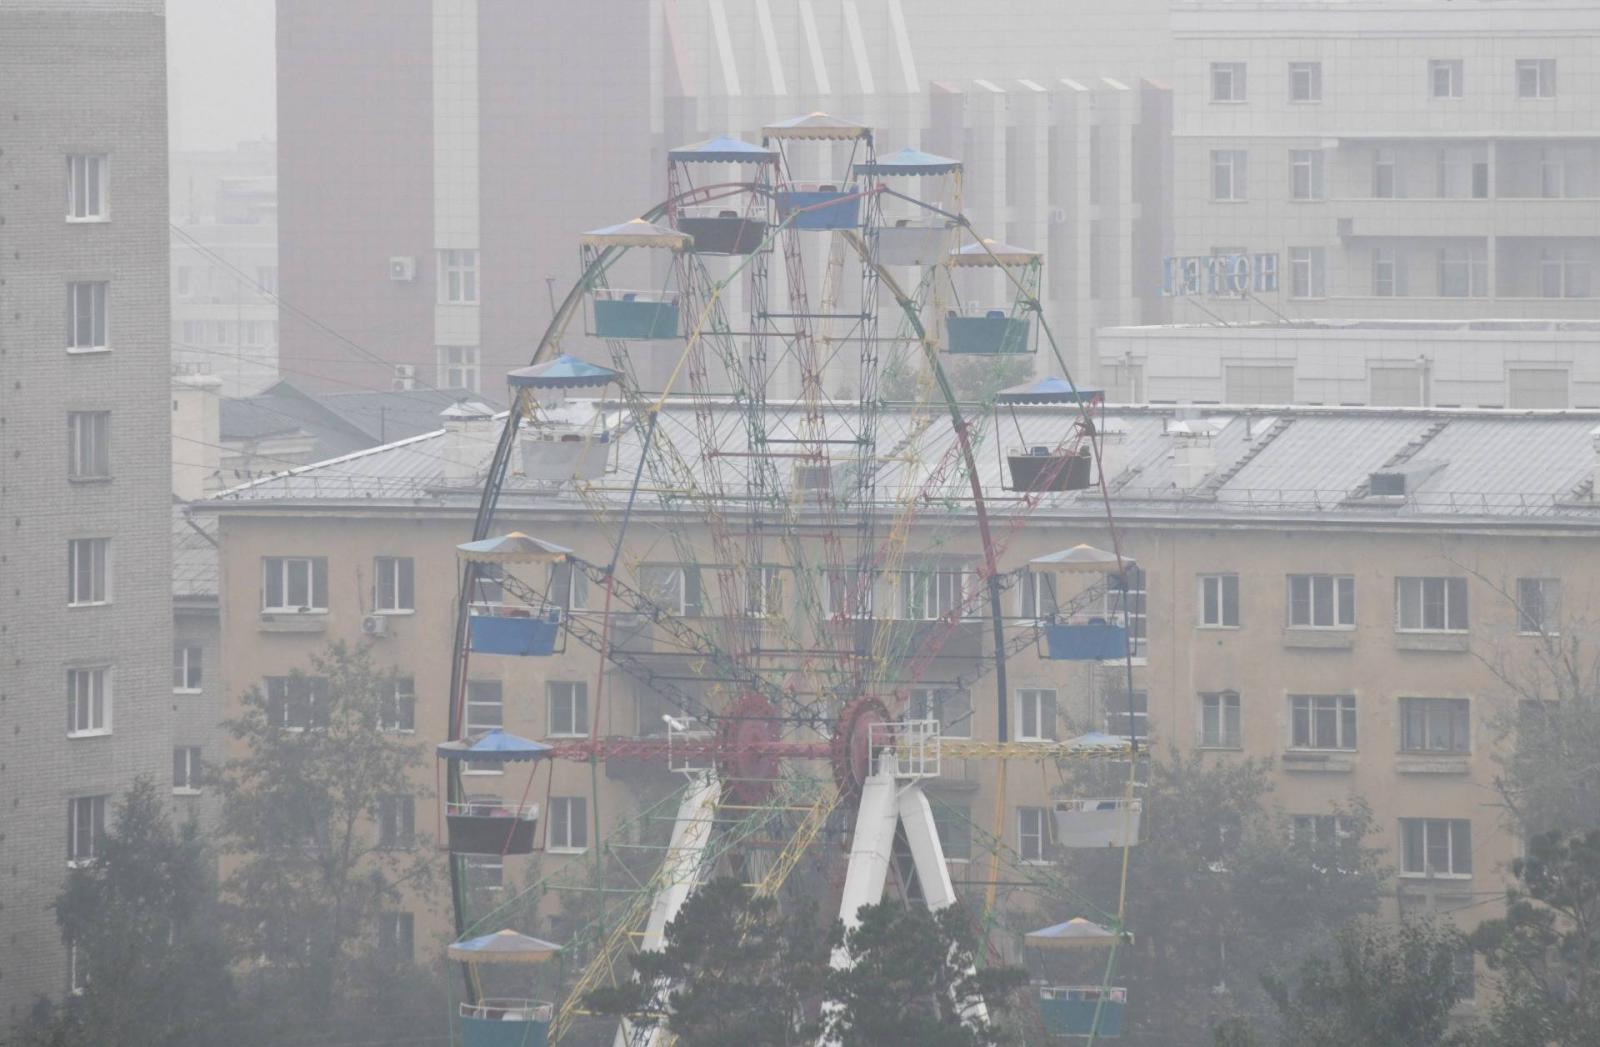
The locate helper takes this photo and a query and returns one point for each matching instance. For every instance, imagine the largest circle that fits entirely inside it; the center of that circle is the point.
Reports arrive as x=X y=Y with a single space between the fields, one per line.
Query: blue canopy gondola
x=514 y=547
x=505 y=946
x=564 y=372
x=1079 y=1010
x=503 y=1022
x=722 y=149
x=496 y=746
x=491 y=826
x=1064 y=466
x=1051 y=389
x=910 y=162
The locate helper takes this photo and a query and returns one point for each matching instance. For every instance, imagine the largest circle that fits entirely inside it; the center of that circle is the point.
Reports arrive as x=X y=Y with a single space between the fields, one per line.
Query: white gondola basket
x=554 y=455
x=1098 y=822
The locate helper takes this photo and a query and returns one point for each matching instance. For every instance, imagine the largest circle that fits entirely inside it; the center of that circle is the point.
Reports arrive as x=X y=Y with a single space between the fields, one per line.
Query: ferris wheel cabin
x=1093 y=639
x=521 y=629
x=981 y=330
x=715 y=227
x=1078 y=1010
x=560 y=442
x=492 y=827
x=820 y=205
x=634 y=315
x=922 y=237
x=499 y=1021
x=1045 y=458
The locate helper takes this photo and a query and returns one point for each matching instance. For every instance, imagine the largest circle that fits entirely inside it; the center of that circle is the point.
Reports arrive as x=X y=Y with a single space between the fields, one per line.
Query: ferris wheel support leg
x=934 y=875
x=871 y=848
x=680 y=873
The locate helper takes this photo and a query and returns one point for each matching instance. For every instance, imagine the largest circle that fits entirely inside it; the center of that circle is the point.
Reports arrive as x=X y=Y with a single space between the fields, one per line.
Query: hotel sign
x=1219 y=275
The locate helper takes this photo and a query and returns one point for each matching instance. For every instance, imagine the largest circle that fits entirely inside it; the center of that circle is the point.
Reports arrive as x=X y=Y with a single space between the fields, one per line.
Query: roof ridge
x=301 y=470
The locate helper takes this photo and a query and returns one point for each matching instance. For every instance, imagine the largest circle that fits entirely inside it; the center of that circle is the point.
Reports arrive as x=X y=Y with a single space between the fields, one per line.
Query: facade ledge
x=1443 y=642
x=1417 y=763
x=294 y=623
x=1320 y=639
x=1318 y=762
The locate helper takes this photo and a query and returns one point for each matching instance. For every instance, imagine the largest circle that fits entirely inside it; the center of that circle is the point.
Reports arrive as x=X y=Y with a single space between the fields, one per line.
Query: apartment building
x=438 y=156
x=85 y=624
x=1323 y=588
x=1387 y=160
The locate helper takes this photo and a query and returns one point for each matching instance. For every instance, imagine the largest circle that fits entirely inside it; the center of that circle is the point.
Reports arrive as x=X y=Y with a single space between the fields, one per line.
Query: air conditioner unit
x=405 y=378
x=375 y=625
x=403 y=268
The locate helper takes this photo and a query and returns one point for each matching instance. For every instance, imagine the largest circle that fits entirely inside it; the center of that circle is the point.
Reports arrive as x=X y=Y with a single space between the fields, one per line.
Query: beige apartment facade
x=1337 y=591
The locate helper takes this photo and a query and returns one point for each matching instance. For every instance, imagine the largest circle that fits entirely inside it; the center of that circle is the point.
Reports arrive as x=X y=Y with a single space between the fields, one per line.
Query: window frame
x=88 y=446
x=98 y=593
x=1236 y=73
x=476 y=702
x=186 y=774
x=1456 y=69
x=94 y=833
x=98 y=320
x=762 y=591
x=316 y=581
x=397 y=932
x=1118 y=715
x=1312 y=71
x=940 y=588
x=459 y=366
x=1224 y=702
x=1035 y=697
x=458 y=276
x=581 y=822
x=400 y=698
x=309 y=693
x=1458 y=715
x=90 y=697
x=1526 y=625
x=396 y=816
x=1386 y=158
x=1313 y=164
x=927 y=702
x=1130 y=590
x=98 y=190
x=1426 y=826
x=576 y=701
x=1237 y=164
x=1307 y=709
x=1388 y=257
x=399 y=575
x=1040 y=834
x=1448 y=584
x=1311 y=261
x=1544 y=78
x=1340 y=594
x=1218 y=601
x=188 y=665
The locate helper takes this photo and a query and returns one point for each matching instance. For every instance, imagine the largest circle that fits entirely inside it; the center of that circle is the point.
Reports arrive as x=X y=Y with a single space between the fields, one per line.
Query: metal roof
x=194 y=554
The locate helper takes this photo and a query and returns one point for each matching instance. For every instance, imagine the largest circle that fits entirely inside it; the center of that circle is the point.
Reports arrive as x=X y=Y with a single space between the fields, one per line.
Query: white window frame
x=1213 y=601
x=1308 y=708
x=1037 y=596
x=1454 y=70
x=1457 y=263
x=1445 y=586
x=478 y=703
x=1136 y=599
x=186 y=764
x=88 y=445
x=1307 y=175
x=1033 y=835
x=1341 y=595
x=1307 y=75
x=295 y=693
x=88 y=185
x=930 y=703
x=1535 y=78
x=459 y=366
x=1228 y=83
x=1236 y=162
x=1308 y=829
x=572 y=697
x=1429 y=711
x=89 y=701
x=397 y=706
x=77 y=970
x=88 y=316
x=1546 y=593
x=1564 y=272
x=392 y=576
x=576 y=828
x=576 y=597
x=1308 y=272
x=91 y=836
x=932 y=592
x=763 y=591
x=666 y=585
x=1037 y=701
x=1388 y=272
x=188 y=667
x=458 y=276
x=1117 y=714
x=88 y=572
x=1217 y=709
x=316 y=577
x=850 y=593
x=480 y=863
x=397 y=821
x=1385 y=160
x=1428 y=827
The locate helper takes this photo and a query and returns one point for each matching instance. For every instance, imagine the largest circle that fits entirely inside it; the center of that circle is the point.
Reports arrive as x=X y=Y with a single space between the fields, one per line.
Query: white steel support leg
x=680 y=871
x=934 y=876
x=871 y=849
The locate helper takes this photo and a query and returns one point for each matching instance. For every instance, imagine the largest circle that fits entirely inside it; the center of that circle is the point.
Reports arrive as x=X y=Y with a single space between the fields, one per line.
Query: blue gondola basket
x=1091 y=642
x=829 y=208
x=1069 y=1011
x=533 y=637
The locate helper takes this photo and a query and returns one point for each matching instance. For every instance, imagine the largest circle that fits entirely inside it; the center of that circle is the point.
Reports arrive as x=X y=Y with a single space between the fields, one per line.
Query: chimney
x=196 y=434
x=470 y=435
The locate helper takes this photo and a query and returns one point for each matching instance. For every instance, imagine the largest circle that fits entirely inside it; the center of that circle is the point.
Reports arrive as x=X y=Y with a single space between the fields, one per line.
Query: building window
x=930 y=593
x=1228 y=175
x=1564 y=273
x=186 y=662
x=568 y=702
x=1317 y=830
x=671 y=588
x=850 y=593
x=569 y=825
x=488 y=592
x=86 y=315
x=1539 y=606
x=951 y=706
x=88 y=702
x=1126 y=601
x=1219 y=601
x=1219 y=720
x=1385 y=174
x=458 y=367
x=1038 y=595
x=186 y=770
x=458 y=276
x=88 y=573
x=1305 y=81
x=296 y=703
x=1552 y=173
x=397 y=820
x=396 y=936
x=1430 y=604
x=763 y=592
x=953 y=821
x=485 y=872
x=1308 y=272
x=569 y=587
x=1463 y=172
x=86 y=188
x=88 y=445
x=1435 y=847
x=1227 y=81
x=1036 y=714
x=1322 y=721
x=1536 y=387
x=1536 y=77
x=1396 y=386
x=397 y=706
x=1445 y=77
x=1435 y=725
x=1032 y=833
x=77 y=970
x=1258 y=383
x=1388 y=273
x=1306 y=180
x=1463 y=272
x=485 y=712
x=1128 y=714
x=294 y=585
x=396 y=586
x=86 y=829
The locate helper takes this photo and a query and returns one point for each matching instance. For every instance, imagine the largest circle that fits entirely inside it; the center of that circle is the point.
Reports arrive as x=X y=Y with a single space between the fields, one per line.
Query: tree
x=302 y=806
x=733 y=972
x=1545 y=952
x=911 y=981
x=143 y=922
x=1382 y=986
x=978 y=379
x=1219 y=894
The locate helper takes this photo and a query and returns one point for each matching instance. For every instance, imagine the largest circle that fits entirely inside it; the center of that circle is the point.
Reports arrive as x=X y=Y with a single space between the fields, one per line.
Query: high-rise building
x=85 y=554
x=1388 y=160
x=437 y=157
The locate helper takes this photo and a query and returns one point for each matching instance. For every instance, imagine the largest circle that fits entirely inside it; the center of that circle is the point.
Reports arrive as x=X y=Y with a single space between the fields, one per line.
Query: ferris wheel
x=802 y=717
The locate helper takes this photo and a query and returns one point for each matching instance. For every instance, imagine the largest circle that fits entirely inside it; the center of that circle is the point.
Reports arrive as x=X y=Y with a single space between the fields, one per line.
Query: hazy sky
x=220 y=74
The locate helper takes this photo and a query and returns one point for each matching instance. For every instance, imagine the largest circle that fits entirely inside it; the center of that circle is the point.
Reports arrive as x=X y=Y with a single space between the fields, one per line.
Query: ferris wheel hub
x=850 y=750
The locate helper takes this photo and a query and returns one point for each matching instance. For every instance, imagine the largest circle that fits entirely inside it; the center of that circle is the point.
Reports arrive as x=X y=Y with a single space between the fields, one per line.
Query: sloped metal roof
x=194 y=554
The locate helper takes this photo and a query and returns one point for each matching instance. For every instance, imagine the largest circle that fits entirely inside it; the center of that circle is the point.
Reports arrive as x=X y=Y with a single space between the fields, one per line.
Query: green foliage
x=1382 y=986
x=977 y=379
x=912 y=984
x=1218 y=893
x=300 y=807
x=144 y=920
x=1545 y=952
